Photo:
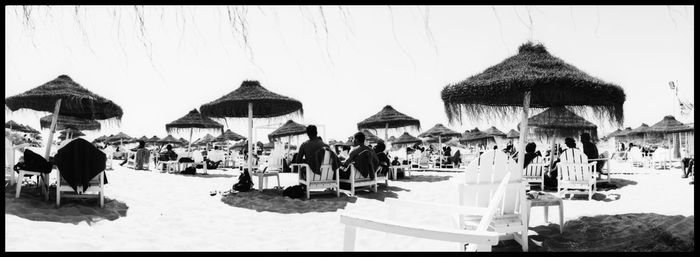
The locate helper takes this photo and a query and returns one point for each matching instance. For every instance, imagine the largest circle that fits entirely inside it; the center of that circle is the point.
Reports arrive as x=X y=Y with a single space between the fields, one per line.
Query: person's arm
x=300 y=153
x=351 y=158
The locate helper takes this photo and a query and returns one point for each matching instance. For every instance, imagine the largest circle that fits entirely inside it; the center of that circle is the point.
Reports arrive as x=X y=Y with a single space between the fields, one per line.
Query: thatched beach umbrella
x=494 y=132
x=183 y=141
x=194 y=121
x=440 y=132
x=12 y=125
x=641 y=130
x=388 y=118
x=99 y=139
x=369 y=137
x=406 y=139
x=120 y=137
x=169 y=140
x=64 y=121
x=532 y=78
x=251 y=100
x=154 y=139
x=475 y=135
x=670 y=126
x=288 y=129
x=62 y=96
x=229 y=135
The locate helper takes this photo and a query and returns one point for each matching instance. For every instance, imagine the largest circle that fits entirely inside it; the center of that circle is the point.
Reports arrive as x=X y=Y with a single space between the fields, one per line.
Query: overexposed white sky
x=369 y=57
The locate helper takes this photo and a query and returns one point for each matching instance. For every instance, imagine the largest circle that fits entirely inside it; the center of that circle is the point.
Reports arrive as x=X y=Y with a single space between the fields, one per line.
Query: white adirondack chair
x=269 y=166
x=534 y=172
x=96 y=186
x=10 y=160
x=480 y=177
x=479 y=239
x=636 y=157
x=575 y=173
x=660 y=159
x=329 y=178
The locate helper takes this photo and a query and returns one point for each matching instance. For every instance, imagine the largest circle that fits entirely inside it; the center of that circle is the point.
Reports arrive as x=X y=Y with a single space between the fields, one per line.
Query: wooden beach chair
x=10 y=161
x=329 y=178
x=575 y=174
x=534 y=172
x=481 y=176
x=270 y=167
x=95 y=188
x=477 y=239
x=660 y=159
x=603 y=169
x=357 y=180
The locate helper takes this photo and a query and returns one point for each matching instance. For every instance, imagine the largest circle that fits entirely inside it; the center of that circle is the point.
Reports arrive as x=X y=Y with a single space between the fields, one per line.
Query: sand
x=151 y=211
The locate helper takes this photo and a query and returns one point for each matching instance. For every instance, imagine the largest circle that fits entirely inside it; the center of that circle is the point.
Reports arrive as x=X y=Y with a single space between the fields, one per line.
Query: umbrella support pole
x=523 y=131
x=386 y=132
x=45 y=177
x=250 y=138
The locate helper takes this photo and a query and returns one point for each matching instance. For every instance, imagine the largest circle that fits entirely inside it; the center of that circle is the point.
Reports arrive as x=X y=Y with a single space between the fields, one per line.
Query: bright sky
x=371 y=56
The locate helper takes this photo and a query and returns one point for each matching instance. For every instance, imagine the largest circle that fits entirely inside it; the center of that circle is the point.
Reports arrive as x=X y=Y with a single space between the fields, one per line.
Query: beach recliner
x=481 y=176
x=575 y=173
x=80 y=171
x=477 y=239
x=329 y=177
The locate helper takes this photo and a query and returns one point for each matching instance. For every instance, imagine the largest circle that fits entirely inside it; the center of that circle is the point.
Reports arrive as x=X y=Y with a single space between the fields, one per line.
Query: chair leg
x=308 y=191
x=19 y=183
x=58 y=192
x=523 y=239
x=546 y=214
x=561 y=217
x=278 y=180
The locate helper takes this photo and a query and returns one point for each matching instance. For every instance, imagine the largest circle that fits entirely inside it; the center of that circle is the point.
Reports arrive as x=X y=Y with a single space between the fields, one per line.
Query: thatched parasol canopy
x=75 y=132
x=406 y=139
x=118 y=137
x=143 y=138
x=76 y=101
x=169 y=140
x=290 y=128
x=205 y=140
x=63 y=121
x=239 y=145
x=12 y=125
x=184 y=141
x=389 y=118
x=644 y=128
x=266 y=104
x=392 y=139
x=561 y=122
x=624 y=132
x=153 y=139
x=440 y=131
x=500 y=89
x=99 y=139
x=494 y=132
x=194 y=121
x=614 y=133
x=474 y=135
x=269 y=145
x=229 y=135
x=669 y=124
x=513 y=134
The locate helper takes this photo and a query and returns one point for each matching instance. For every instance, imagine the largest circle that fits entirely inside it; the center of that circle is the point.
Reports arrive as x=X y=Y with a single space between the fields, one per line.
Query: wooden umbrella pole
x=189 y=143
x=45 y=177
x=250 y=137
x=523 y=130
x=386 y=132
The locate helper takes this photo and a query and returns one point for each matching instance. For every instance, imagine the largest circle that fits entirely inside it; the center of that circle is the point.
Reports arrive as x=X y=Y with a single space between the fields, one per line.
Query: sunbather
x=359 y=142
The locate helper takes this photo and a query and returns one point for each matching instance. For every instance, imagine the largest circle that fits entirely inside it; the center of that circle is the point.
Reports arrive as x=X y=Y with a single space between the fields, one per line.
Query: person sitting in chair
x=384 y=161
x=360 y=148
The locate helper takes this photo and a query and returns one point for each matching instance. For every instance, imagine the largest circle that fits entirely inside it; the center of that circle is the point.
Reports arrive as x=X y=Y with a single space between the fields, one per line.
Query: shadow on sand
x=382 y=193
x=631 y=232
x=272 y=200
x=30 y=205
x=424 y=178
x=615 y=183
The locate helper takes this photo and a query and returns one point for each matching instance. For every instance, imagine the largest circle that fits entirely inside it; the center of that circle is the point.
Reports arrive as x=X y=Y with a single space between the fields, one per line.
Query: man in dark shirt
x=589 y=148
x=309 y=148
x=359 y=142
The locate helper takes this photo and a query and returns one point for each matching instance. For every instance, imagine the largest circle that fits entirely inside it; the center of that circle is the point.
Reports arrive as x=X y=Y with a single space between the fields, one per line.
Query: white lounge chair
x=480 y=177
x=534 y=172
x=10 y=160
x=575 y=173
x=329 y=178
x=479 y=239
x=660 y=159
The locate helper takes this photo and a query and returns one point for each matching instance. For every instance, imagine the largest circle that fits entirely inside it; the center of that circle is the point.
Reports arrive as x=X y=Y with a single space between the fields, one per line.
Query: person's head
x=495 y=147
x=142 y=144
x=530 y=147
x=585 y=137
x=358 y=139
x=570 y=142
x=379 y=147
x=311 y=131
x=169 y=147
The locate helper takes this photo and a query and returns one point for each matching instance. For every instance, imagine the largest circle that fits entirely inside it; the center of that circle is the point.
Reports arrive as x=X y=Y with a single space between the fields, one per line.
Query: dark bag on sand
x=295 y=192
x=189 y=171
x=245 y=183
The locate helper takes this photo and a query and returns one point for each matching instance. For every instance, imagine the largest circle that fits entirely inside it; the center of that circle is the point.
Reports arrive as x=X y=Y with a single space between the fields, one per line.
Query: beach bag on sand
x=245 y=183
x=295 y=192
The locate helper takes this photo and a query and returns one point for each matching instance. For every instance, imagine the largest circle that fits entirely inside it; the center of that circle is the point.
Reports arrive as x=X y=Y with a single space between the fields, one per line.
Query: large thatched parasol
x=194 y=121
x=120 y=137
x=532 y=78
x=251 y=100
x=406 y=139
x=63 y=121
x=494 y=132
x=670 y=126
x=641 y=130
x=388 y=118
x=475 y=135
x=288 y=129
x=229 y=135
x=153 y=139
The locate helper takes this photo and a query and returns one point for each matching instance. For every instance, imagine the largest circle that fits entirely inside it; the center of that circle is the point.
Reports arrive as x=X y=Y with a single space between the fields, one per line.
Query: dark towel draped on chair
x=35 y=162
x=316 y=160
x=79 y=162
x=366 y=163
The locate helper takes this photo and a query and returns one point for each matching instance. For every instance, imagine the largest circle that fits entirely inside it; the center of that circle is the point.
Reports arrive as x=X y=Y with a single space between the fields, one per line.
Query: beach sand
x=642 y=210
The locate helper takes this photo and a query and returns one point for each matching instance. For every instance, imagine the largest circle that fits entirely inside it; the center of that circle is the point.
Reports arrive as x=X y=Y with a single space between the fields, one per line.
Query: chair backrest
x=635 y=154
x=9 y=154
x=482 y=176
x=197 y=156
x=574 y=166
x=536 y=167
x=326 y=168
x=660 y=154
x=573 y=155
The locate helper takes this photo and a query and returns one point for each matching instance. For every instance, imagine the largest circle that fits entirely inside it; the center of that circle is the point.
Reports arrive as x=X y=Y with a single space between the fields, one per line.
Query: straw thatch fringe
x=498 y=92
x=176 y=130
x=392 y=117
x=266 y=104
x=560 y=133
